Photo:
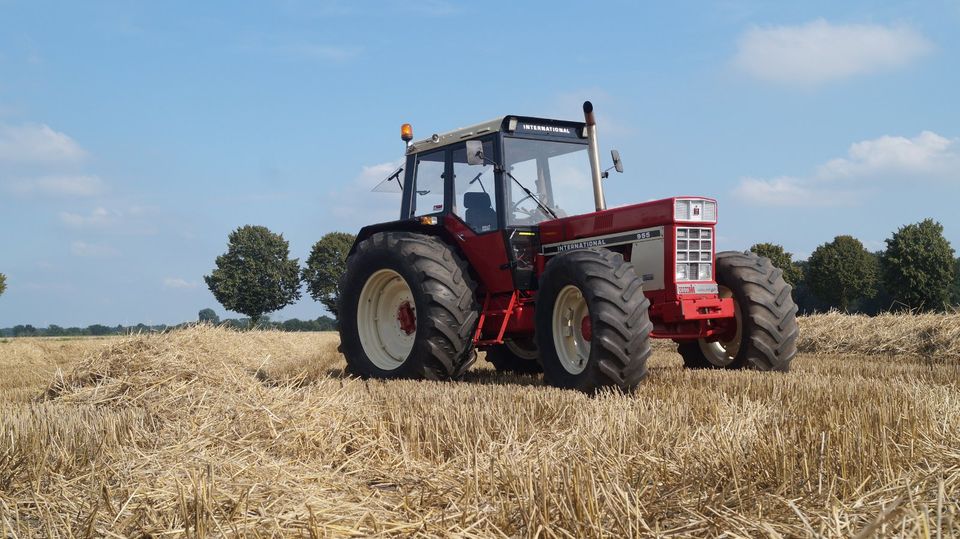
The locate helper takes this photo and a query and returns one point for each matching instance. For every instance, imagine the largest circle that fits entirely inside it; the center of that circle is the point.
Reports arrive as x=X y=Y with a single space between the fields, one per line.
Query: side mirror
x=475 y=152
x=617 y=163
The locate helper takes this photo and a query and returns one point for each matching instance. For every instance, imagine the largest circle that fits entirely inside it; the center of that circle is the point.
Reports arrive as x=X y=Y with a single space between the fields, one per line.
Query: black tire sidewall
x=368 y=263
x=558 y=278
x=727 y=277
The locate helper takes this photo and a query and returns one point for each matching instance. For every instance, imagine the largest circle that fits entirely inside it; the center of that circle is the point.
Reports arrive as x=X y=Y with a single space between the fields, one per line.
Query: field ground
x=211 y=432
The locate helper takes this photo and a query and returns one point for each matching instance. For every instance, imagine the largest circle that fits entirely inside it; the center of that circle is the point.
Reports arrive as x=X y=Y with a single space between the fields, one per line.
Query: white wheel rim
x=386 y=339
x=573 y=348
x=521 y=351
x=722 y=353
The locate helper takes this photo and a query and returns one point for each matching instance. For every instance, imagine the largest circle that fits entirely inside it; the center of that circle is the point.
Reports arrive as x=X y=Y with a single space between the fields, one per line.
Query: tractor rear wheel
x=516 y=355
x=765 y=334
x=407 y=308
x=592 y=324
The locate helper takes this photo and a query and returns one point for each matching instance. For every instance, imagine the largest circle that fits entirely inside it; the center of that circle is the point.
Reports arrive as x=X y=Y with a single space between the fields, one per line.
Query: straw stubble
x=207 y=431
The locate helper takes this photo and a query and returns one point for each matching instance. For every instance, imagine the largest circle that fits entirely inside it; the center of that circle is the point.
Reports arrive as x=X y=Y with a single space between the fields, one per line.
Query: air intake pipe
x=594 y=149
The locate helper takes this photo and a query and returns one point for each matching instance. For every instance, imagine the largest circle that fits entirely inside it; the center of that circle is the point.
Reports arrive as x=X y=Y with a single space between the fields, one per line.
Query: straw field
x=210 y=432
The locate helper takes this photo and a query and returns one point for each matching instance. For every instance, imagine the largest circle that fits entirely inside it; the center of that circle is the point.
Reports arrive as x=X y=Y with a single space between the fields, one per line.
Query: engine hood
x=623 y=219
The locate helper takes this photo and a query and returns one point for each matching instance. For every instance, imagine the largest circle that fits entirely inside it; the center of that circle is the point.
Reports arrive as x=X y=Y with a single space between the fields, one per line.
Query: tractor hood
x=631 y=218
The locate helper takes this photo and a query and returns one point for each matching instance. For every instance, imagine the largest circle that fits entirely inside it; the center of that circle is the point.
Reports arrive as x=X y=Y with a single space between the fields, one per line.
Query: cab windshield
x=556 y=173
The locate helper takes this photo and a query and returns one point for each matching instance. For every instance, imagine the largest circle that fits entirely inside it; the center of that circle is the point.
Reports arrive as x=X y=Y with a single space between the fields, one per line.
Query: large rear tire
x=407 y=308
x=592 y=324
x=766 y=331
x=520 y=356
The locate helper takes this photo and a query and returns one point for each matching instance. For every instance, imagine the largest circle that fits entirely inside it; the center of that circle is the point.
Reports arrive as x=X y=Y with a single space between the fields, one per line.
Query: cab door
x=475 y=220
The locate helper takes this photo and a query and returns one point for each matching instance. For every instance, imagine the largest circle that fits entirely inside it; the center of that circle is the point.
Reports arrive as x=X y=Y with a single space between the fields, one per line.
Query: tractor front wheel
x=764 y=335
x=592 y=324
x=407 y=308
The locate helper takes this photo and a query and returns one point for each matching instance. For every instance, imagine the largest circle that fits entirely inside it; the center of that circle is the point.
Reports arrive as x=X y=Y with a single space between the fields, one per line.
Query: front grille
x=694 y=254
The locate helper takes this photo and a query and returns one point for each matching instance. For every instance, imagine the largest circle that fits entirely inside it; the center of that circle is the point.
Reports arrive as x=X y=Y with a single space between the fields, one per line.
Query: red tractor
x=499 y=248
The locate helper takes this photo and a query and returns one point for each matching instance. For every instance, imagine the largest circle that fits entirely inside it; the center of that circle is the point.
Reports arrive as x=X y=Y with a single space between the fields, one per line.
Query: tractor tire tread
x=620 y=344
x=768 y=310
x=446 y=322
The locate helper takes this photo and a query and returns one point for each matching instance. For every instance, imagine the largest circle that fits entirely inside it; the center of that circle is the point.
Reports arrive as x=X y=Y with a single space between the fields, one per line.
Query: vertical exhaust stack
x=594 y=150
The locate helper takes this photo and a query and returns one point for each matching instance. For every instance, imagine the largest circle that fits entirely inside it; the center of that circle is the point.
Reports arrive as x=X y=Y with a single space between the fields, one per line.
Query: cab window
x=428 y=183
x=474 y=196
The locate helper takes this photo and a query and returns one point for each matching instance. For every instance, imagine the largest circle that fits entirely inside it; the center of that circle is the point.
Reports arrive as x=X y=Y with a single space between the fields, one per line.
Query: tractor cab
x=494 y=183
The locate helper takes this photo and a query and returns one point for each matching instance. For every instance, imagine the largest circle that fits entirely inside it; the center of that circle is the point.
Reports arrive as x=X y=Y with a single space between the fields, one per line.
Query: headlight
x=704 y=272
x=681 y=272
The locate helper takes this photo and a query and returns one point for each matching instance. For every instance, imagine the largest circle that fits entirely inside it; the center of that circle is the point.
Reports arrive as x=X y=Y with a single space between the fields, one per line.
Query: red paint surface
x=408 y=320
x=487 y=254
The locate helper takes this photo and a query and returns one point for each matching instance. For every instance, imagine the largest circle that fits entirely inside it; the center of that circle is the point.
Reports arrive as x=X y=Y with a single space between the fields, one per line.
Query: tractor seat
x=480 y=214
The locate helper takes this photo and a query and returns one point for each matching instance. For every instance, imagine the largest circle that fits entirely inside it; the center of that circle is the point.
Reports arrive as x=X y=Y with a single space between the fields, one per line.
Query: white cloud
x=925 y=157
x=131 y=220
x=819 y=52
x=927 y=154
x=787 y=191
x=99 y=217
x=372 y=175
x=354 y=205
x=328 y=53
x=37 y=143
x=92 y=250
x=177 y=283
x=57 y=186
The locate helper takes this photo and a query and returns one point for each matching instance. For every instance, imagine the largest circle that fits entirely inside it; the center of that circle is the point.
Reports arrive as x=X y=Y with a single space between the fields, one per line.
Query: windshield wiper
x=546 y=210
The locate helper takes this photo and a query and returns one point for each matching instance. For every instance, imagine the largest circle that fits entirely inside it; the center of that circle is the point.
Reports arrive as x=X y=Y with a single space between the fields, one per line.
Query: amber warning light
x=406 y=132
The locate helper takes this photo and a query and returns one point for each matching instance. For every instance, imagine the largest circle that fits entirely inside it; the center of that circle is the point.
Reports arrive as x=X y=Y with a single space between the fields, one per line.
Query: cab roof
x=502 y=123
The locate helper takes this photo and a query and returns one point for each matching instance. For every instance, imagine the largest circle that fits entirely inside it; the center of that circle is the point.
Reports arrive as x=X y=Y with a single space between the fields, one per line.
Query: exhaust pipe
x=594 y=149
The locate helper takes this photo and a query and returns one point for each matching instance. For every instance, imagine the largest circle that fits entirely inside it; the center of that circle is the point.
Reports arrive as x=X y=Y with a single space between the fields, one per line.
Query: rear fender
x=405 y=225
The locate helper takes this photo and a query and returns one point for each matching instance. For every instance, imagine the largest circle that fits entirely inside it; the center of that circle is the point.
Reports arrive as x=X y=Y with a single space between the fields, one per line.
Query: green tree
x=3 y=283
x=841 y=272
x=255 y=275
x=24 y=331
x=955 y=289
x=325 y=323
x=327 y=262
x=208 y=316
x=918 y=267
x=782 y=259
x=98 y=330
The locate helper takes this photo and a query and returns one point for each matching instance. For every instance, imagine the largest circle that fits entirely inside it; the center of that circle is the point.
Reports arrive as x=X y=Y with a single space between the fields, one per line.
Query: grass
x=207 y=431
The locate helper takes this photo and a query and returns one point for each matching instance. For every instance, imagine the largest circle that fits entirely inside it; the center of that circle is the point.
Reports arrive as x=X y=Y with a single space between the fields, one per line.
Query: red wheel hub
x=586 y=329
x=406 y=317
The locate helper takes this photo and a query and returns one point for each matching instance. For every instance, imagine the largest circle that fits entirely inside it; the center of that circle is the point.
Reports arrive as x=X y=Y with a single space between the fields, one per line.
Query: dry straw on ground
x=211 y=432
x=935 y=337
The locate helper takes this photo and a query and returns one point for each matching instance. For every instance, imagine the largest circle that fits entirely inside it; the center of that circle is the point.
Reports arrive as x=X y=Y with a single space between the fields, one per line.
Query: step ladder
x=507 y=313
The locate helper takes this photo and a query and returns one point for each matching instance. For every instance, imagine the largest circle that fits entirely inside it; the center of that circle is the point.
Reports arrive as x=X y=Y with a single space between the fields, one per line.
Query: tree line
x=917 y=271
x=323 y=323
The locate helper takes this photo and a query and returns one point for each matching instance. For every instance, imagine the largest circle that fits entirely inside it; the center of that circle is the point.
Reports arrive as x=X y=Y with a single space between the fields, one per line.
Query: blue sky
x=134 y=136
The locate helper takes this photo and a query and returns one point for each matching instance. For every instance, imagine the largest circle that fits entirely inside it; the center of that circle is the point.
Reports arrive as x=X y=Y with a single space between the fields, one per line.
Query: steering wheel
x=516 y=205
x=525 y=216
